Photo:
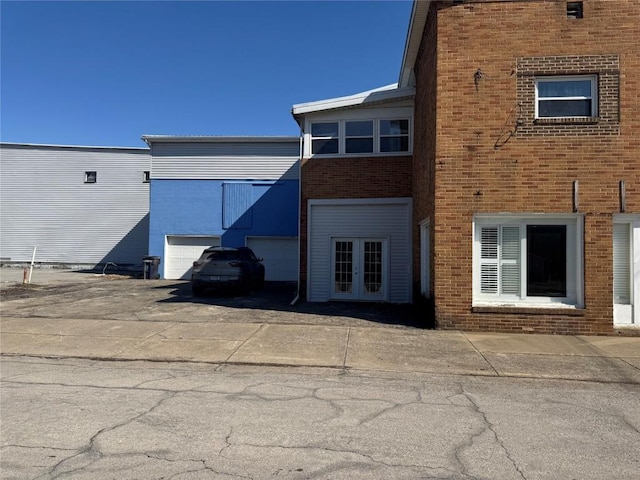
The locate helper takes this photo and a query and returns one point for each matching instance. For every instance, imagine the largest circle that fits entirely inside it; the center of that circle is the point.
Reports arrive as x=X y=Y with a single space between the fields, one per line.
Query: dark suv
x=227 y=267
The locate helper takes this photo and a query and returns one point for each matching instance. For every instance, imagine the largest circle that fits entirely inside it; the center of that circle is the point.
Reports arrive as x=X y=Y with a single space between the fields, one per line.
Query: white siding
x=280 y=257
x=388 y=218
x=230 y=161
x=44 y=202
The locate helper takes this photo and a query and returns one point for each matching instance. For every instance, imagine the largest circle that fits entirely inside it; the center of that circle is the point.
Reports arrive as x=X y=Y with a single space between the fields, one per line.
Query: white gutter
x=295 y=300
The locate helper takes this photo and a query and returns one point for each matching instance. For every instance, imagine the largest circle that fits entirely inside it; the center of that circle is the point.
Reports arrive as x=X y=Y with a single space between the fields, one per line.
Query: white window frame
x=342 y=136
x=558 y=78
x=372 y=136
x=339 y=137
x=574 y=256
x=381 y=136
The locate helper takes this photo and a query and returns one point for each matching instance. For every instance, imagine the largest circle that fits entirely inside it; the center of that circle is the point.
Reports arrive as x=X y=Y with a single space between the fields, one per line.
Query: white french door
x=626 y=273
x=359 y=269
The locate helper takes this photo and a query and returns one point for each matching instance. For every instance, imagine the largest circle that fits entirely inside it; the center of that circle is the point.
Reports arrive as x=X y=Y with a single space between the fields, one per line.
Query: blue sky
x=105 y=73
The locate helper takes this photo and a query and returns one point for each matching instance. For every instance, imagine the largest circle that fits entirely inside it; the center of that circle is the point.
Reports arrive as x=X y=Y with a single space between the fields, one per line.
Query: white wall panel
x=280 y=257
x=230 y=161
x=44 y=202
x=388 y=218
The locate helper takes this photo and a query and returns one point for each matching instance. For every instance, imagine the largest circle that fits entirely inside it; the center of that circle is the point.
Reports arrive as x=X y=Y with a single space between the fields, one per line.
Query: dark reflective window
x=324 y=146
x=547 y=260
x=564 y=108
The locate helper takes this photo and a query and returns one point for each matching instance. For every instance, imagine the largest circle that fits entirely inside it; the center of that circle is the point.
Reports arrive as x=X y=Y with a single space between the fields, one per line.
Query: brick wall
x=491 y=157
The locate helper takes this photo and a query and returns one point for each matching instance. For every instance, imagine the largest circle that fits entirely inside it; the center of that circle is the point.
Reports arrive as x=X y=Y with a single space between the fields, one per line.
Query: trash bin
x=150 y=266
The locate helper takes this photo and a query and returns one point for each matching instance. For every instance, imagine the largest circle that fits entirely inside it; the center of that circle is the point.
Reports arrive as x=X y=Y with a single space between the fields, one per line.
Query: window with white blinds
x=622 y=263
x=519 y=260
x=500 y=264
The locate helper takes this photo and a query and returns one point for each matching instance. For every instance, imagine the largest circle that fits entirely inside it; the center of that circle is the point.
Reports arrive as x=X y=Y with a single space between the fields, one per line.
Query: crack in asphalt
x=335 y=403
x=91 y=450
x=487 y=426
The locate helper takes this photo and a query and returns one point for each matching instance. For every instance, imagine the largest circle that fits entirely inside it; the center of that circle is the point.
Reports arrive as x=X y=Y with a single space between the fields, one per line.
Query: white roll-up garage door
x=180 y=253
x=280 y=257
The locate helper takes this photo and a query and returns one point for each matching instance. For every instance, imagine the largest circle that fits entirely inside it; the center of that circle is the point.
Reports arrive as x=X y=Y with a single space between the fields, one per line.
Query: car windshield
x=223 y=255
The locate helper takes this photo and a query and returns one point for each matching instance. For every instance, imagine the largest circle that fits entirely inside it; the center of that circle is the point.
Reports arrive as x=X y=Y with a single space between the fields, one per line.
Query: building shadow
x=278 y=297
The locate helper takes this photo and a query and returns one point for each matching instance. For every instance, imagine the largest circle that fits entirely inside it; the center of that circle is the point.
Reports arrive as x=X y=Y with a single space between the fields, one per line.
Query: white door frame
x=358 y=290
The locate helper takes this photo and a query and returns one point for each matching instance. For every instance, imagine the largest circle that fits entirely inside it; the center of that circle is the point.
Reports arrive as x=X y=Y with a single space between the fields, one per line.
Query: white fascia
x=417 y=23
x=382 y=94
x=149 y=139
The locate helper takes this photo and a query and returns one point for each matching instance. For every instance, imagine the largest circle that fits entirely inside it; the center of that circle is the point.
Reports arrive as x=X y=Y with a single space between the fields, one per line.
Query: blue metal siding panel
x=195 y=207
x=237 y=199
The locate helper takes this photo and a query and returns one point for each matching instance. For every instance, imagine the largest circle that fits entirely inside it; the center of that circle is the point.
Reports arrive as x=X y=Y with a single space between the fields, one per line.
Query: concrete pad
x=530 y=343
x=632 y=361
x=615 y=346
x=83 y=327
x=40 y=325
x=218 y=331
x=601 y=369
x=414 y=351
x=116 y=328
x=180 y=350
x=306 y=345
x=64 y=345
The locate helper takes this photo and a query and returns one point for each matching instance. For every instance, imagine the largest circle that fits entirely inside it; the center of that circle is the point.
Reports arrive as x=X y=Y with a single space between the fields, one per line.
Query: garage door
x=180 y=253
x=280 y=257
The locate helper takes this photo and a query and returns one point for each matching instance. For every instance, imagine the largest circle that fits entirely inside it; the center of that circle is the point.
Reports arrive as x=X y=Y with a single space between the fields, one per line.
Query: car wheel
x=245 y=287
x=260 y=281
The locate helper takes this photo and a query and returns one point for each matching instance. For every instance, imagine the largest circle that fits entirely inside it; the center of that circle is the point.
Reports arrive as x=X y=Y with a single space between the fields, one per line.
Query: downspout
x=295 y=300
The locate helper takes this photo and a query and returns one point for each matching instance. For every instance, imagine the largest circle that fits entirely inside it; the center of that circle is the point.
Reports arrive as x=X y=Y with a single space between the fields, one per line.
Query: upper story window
x=359 y=137
x=348 y=137
x=394 y=135
x=325 y=138
x=566 y=96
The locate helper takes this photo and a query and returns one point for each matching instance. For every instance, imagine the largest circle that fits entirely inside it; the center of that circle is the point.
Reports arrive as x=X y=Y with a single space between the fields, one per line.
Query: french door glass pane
x=343 y=267
x=546 y=260
x=372 y=267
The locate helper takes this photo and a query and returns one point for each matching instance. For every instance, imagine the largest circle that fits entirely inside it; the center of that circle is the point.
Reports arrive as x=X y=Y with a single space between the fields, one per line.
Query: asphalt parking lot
x=80 y=294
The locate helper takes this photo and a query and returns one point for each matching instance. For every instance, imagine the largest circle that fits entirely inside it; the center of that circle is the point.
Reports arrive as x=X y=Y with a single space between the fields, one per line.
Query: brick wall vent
x=574 y=10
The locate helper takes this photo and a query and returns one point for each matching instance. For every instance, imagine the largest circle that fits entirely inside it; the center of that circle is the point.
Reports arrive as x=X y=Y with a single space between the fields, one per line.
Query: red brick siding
x=481 y=165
